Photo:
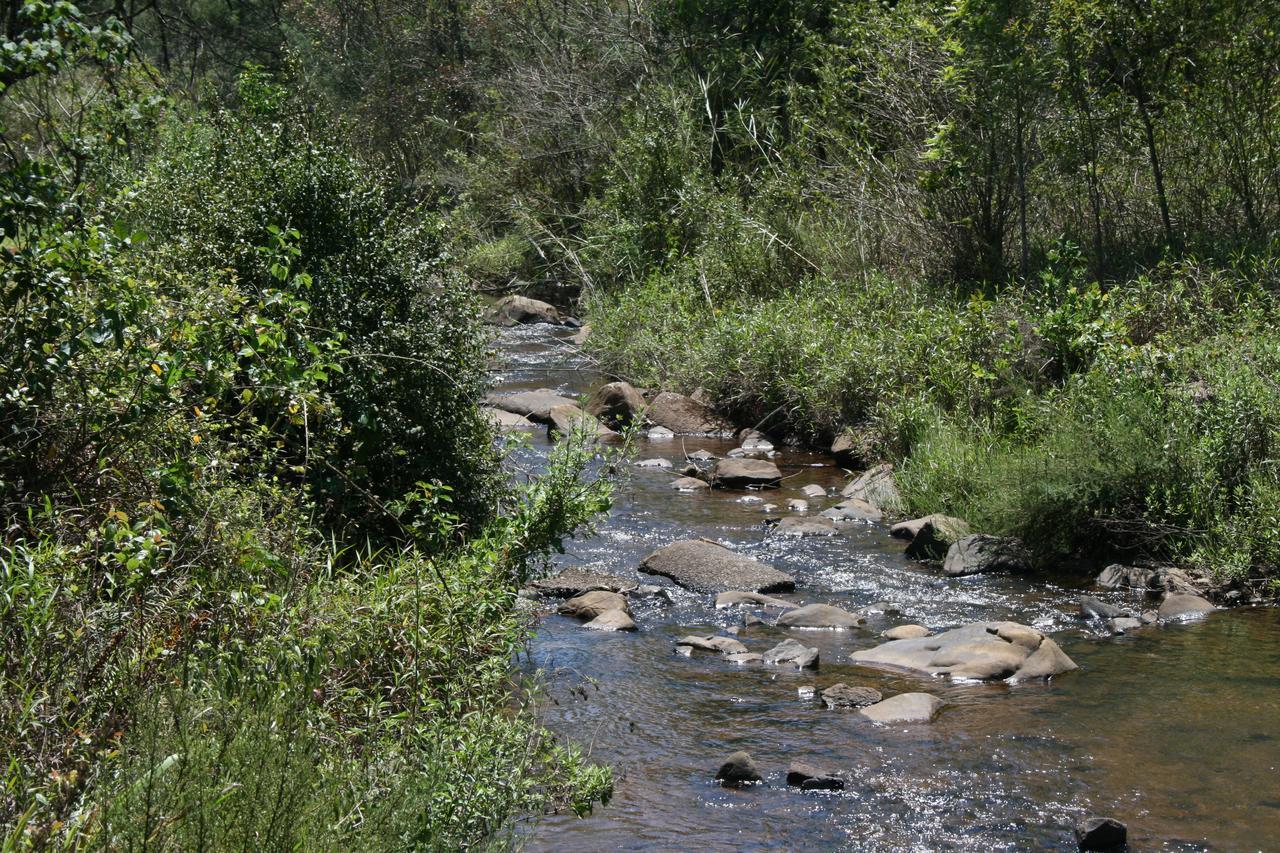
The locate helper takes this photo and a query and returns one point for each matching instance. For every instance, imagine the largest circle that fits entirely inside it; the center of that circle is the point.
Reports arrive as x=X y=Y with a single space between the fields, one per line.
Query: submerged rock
x=712 y=643
x=746 y=473
x=589 y=605
x=515 y=310
x=612 y=620
x=904 y=708
x=1101 y=833
x=979 y=553
x=814 y=491
x=820 y=616
x=752 y=599
x=843 y=696
x=797 y=527
x=798 y=505
x=1125 y=624
x=704 y=566
x=738 y=769
x=1178 y=605
x=876 y=486
x=1095 y=608
x=534 y=405
x=792 y=653
x=980 y=651
x=806 y=777
x=617 y=403
x=684 y=415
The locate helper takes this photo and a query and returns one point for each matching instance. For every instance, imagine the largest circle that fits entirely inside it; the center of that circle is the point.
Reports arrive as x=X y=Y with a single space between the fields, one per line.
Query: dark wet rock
x=690 y=484
x=655 y=463
x=703 y=566
x=712 y=643
x=659 y=433
x=843 y=696
x=849 y=451
x=906 y=632
x=579 y=338
x=888 y=608
x=693 y=471
x=1094 y=608
x=1101 y=833
x=745 y=473
x=979 y=553
x=617 y=404
x=744 y=658
x=734 y=598
x=506 y=420
x=1117 y=576
x=1178 y=605
x=589 y=605
x=797 y=526
x=1125 y=624
x=876 y=486
x=807 y=777
x=904 y=708
x=930 y=538
x=814 y=491
x=981 y=651
x=612 y=620
x=738 y=769
x=684 y=415
x=792 y=653
x=853 y=509
x=534 y=405
x=515 y=310
x=570 y=418
x=820 y=616
x=572 y=582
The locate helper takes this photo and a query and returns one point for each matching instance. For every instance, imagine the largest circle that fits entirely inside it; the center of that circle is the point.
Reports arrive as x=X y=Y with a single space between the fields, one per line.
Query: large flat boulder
x=876 y=486
x=746 y=473
x=712 y=643
x=617 y=404
x=820 y=616
x=534 y=405
x=685 y=415
x=566 y=420
x=978 y=554
x=707 y=567
x=506 y=420
x=515 y=310
x=979 y=651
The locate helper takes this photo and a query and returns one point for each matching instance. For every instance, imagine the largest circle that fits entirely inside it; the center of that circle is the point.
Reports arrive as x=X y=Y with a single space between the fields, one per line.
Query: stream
x=1174 y=730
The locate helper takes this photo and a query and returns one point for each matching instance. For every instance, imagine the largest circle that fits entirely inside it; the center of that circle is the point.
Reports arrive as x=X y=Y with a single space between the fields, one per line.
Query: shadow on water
x=1174 y=730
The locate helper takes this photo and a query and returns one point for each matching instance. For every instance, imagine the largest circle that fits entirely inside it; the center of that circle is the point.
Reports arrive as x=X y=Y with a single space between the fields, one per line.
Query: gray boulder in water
x=791 y=653
x=738 y=769
x=978 y=554
x=704 y=566
x=904 y=708
x=980 y=651
x=820 y=616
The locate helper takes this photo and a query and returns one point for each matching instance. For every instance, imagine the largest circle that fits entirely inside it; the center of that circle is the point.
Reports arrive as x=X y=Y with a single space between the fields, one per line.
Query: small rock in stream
x=813 y=490
x=659 y=433
x=592 y=604
x=806 y=777
x=656 y=462
x=1101 y=833
x=712 y=643
x=612 y=620
x=738 y=769
x=1125 y=624
x=798 y=505
x=752 y=599
x=795 y=526
x=843 y=696
x=904 y=708
x=906 y=632
x=1094 y=608
x=690 y=484
x=820 y=616
x=792 y=653
x=1180 y=606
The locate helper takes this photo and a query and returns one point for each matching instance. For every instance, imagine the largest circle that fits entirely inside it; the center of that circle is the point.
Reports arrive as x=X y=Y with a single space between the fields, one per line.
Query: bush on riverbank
x=258 y=573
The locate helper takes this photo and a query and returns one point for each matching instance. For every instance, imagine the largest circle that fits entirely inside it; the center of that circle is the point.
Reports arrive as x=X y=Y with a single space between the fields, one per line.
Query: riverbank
x=1137 y=732
x=1135 y=423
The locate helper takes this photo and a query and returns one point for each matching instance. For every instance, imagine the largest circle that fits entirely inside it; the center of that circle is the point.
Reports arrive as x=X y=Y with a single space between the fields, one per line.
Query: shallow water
x=1174 y=730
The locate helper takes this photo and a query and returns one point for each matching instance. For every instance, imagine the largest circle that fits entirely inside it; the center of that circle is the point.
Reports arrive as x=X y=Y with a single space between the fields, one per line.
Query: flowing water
x=1174 y=730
